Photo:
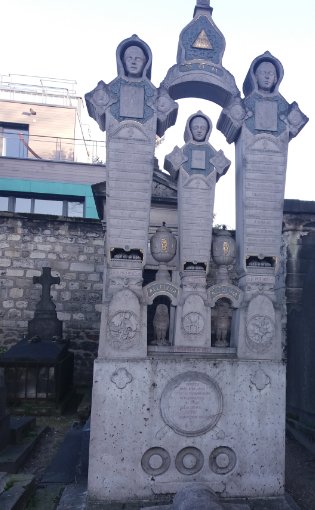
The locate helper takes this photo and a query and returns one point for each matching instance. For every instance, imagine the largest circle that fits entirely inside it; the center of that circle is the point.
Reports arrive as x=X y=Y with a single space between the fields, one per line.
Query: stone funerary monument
x=189 y=384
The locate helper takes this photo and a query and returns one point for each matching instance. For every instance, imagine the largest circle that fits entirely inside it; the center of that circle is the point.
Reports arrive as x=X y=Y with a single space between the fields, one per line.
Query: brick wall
x=73 y=248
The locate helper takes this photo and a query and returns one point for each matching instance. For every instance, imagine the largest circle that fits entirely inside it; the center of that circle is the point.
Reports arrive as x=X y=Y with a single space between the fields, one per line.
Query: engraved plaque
x=191 y=404
x=198 y=160
x=266 y=115
x=131 y=102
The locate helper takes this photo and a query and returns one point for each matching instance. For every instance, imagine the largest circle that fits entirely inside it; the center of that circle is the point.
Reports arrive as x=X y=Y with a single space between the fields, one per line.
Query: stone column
x=132 y=111
x=197 y=166
x=262 y=124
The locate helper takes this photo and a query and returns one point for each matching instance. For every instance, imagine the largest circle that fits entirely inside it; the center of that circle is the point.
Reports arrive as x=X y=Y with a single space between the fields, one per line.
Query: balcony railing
x=23 y=145
x=39 y=89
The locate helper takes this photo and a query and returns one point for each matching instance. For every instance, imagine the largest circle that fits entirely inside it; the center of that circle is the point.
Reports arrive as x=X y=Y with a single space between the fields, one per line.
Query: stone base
x=282 y=503
x=158 y=424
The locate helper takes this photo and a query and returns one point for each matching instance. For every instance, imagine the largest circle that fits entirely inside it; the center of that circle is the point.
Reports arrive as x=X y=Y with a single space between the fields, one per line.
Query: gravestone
x=45 y=323
x=39 y=368
x=188 y=406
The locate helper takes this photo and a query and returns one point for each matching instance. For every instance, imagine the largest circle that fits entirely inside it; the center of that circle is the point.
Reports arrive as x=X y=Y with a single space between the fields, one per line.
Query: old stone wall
x=73 y=248
x=299 y=234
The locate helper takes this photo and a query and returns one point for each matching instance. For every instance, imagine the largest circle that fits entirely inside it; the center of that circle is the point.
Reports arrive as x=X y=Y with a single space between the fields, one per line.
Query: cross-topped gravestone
x=46 y=280
x=45 y=324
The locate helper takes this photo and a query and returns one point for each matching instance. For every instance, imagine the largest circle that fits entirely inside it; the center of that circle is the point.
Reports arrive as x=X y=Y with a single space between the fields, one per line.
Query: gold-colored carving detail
x=164 y=244
x=226 y=248
x=202 y=41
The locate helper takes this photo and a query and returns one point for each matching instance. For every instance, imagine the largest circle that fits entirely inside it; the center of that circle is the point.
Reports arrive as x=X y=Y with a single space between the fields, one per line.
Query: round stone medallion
x=260 y=333
x=123 y=327
x=222 y=460
x=191 y=404
x=189 y=461
x=155 y=461
x=193 y=323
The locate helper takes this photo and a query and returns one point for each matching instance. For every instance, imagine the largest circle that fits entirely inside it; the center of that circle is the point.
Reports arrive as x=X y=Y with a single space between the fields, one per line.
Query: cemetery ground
x=300 y=466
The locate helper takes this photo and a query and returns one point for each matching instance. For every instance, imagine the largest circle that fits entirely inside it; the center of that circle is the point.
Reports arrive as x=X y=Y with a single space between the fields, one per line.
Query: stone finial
x=204 y=5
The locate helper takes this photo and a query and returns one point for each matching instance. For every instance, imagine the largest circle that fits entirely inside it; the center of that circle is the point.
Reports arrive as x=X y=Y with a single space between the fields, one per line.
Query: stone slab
x=19 y=426
x=73 y=497
x=138 y=448
x=13 y=456
x=282 y=503
x=64 y=465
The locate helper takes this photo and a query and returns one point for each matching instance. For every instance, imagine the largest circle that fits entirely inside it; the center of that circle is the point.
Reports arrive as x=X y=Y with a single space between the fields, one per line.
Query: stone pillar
x=197 y=166
x=132 y=111
x=262 y=124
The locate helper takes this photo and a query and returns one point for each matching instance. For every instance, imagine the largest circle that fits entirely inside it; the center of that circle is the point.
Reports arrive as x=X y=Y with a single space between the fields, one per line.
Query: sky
x=78 y=40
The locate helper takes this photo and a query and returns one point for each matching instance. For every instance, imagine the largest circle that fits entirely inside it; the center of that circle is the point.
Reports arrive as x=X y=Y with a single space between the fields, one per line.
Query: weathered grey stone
x=223 y=445
x=197 y=166
x=199 y=71
x=196 y=496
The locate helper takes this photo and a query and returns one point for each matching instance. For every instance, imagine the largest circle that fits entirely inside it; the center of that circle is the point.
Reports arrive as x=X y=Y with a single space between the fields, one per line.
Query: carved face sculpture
x=199 y=128
x=134 y=61
x=266 y=76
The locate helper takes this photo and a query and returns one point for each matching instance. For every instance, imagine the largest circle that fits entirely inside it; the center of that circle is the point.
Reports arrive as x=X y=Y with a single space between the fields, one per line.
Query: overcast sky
x=77 y=39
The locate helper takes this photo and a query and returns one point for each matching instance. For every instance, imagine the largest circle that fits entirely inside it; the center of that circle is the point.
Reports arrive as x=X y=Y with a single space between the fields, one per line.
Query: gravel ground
x=300 y=463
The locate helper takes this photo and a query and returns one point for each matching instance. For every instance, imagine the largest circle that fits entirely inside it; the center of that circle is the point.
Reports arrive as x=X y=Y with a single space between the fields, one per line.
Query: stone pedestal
x=193 y=314
x=158 y=424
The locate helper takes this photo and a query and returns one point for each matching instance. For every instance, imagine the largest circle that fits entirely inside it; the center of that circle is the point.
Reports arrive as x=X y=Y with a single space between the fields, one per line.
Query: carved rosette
x=260 y=331
x=260 y=324
x=124 y=330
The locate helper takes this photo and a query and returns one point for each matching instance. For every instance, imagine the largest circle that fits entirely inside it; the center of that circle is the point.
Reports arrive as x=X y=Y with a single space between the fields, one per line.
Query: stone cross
x=46 y=280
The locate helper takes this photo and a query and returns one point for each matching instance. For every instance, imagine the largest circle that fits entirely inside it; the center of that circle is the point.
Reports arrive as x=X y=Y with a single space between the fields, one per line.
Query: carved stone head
x=198 y=128
x=134 y=59
x=264 y=76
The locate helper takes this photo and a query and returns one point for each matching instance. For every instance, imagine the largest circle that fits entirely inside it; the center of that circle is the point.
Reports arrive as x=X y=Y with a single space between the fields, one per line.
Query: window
x=49 y=207
x=4 y=203
x=13 y=140
x=42 y=204
x=22 y=205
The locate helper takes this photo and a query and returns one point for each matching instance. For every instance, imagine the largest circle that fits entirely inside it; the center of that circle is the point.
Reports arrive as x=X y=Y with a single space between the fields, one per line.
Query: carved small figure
x=222 y=323
x=161 y=323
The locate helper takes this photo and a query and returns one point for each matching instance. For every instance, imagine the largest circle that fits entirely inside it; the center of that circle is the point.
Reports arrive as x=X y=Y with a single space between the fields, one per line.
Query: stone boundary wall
x=74 y=249
x=299 y=235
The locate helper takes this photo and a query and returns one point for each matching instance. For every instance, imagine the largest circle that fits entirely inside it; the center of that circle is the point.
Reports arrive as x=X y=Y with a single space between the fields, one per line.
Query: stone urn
x=223 y=253
x=163 y=249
